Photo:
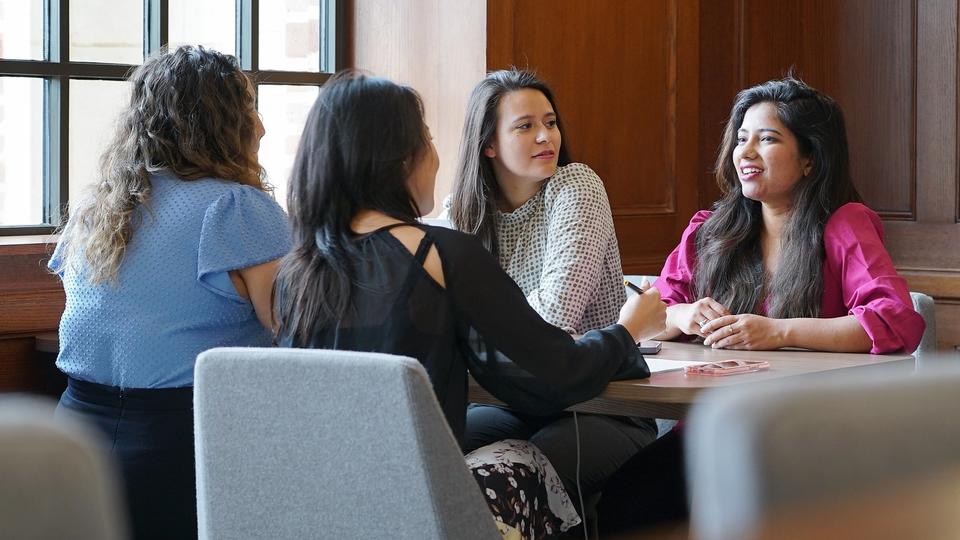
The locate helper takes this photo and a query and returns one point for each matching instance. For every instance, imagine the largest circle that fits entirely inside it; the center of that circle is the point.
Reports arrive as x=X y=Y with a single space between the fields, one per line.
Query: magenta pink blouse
x=859 y=278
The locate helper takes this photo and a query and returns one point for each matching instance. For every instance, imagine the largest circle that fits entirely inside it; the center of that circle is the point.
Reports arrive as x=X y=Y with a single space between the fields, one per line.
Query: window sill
x=29 y=244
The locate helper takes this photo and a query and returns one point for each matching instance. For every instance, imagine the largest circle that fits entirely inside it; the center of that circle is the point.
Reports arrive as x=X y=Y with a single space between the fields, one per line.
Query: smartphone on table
x=649 y=347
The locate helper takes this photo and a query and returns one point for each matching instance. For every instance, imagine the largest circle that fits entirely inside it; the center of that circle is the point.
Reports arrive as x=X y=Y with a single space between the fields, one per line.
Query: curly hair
x=192 y=113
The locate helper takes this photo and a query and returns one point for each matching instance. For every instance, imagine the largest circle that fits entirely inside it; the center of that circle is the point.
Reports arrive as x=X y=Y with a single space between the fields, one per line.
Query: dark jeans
x=606 y=442
x=649 y=490
x=150 y=435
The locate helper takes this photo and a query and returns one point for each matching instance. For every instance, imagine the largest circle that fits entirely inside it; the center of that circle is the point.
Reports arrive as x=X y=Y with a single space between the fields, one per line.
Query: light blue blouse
x=173 y=298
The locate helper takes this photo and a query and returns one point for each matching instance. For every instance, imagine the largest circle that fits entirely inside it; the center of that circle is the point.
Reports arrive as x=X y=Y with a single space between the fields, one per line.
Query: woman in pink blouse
x=789 y=257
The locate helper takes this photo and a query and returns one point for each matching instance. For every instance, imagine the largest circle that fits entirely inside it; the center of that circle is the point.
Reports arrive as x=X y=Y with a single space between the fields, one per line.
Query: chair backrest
x=56 y=480
x=299 y=443
x=924 y=305
x=754 y=449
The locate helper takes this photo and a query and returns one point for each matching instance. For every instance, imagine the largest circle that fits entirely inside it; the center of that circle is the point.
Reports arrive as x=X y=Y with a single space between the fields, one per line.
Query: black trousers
x=149 y=433
x=606 y=442
x=648 y=491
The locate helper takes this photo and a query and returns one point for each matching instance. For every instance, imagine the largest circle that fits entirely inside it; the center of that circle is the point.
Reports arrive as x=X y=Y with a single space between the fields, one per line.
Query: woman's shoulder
x=227 y=195
x=575 y=184
x=208 y=185
x=853 y=211
x=446 y=237
x=699 y=219
x=575 y=176
x=852 y=218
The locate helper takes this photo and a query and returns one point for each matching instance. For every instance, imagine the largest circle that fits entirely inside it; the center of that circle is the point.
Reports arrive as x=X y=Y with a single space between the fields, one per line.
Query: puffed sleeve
x=579 y=231
x=242 y=228
x=871 y=289
x=676 y=278
x=511 y=351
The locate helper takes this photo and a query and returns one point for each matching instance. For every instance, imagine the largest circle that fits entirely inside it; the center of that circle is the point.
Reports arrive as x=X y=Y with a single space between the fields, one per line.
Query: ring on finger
x=703 y=322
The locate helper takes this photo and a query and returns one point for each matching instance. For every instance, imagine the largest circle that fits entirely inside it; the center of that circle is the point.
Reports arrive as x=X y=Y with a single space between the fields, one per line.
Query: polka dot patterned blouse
x=561 y=249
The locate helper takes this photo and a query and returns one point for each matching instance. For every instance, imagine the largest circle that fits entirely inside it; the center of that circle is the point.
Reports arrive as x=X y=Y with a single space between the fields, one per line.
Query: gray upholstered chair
x=56 y=481
x=295 y=443
x=753 y=449
x=925 y=307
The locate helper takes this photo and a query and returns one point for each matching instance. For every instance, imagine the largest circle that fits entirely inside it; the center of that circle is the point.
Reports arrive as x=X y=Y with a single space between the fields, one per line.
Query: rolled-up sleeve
x=872 y=290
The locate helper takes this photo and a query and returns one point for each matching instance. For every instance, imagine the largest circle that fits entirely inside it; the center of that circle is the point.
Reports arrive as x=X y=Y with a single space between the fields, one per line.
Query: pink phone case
x=727 y=367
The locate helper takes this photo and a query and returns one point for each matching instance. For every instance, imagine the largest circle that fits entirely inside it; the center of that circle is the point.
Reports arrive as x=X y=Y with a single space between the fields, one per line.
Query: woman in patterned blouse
x=548 y=221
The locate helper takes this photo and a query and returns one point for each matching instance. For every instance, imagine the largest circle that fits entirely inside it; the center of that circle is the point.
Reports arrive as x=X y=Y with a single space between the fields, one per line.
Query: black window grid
x=57 y=70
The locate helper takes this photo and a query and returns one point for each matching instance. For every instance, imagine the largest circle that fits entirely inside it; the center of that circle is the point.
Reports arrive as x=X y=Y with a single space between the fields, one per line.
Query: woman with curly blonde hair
x=173 y=252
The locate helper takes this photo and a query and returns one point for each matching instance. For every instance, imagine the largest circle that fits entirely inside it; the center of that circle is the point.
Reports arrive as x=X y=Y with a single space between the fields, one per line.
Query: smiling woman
x=768 y=158
x=788 y=256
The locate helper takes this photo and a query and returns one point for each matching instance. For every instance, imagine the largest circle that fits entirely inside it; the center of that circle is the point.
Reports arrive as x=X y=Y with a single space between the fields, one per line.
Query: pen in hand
x=633 y=287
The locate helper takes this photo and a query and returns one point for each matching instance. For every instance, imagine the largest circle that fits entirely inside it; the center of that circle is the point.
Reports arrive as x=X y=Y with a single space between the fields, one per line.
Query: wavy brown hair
x=191 y=113
x=473 y=201
x=729 y=264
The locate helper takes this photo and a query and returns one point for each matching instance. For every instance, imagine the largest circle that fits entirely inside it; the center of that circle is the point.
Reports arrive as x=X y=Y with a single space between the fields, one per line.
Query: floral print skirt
x=522 y=489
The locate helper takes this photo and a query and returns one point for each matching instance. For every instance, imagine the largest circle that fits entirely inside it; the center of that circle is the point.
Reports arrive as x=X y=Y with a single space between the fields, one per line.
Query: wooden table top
x=669 y=394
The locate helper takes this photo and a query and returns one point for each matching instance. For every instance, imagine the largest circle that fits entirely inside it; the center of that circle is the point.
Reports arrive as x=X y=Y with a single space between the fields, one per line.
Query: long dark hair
x=475 y=189
x=192 y=113
x=729 y=264
x=361 y=140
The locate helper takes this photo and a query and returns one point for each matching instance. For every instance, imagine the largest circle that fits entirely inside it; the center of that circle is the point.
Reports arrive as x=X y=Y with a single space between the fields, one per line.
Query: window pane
x=290 y=35
x=211 y=23
x=21 y=29
x=284 y=110
x=106 y=31
x=21 y=151
x=94 y=107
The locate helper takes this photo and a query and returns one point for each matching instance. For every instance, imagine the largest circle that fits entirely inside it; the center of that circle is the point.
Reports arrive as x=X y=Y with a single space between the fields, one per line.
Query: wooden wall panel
x=863 y=54
x=435 y=46
x=31 y=298
x=625 y=75
x=948 y=320
x=31 y=302
x=22 y=369
x=719 y=84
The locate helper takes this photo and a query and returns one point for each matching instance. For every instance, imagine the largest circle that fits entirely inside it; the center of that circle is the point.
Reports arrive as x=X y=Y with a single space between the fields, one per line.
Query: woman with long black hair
x=365 y=275
x=789 y=256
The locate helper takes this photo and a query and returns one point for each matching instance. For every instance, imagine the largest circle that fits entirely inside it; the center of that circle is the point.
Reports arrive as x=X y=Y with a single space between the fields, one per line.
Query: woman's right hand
x=644 y=315
x=690 y=318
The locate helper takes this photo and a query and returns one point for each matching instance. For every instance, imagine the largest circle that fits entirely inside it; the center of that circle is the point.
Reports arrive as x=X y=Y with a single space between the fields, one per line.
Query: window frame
x=57 y=70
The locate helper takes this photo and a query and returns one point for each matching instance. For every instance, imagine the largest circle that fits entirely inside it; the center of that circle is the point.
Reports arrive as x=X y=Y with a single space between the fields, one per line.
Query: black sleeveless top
x=480 y=323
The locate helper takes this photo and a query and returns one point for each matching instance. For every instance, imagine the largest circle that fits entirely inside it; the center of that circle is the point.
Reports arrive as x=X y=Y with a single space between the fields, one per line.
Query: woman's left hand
x=744 y=332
